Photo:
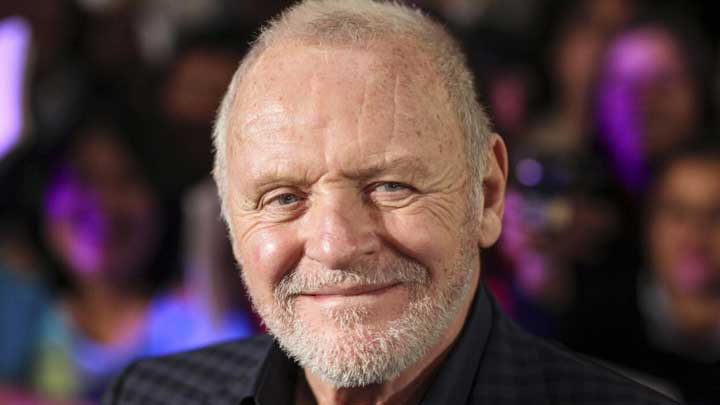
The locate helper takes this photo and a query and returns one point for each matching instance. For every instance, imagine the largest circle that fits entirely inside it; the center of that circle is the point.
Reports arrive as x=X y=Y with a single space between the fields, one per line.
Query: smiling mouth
x=353 y=291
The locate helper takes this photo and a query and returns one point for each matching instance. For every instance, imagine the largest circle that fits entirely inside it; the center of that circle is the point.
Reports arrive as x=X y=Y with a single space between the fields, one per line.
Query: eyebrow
x=292 y=174
x=402 y=164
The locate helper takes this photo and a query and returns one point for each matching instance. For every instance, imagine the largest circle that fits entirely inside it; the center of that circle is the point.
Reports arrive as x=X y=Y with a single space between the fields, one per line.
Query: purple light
x=74 y=215
x=529 y=172
x=14 y=41
x=635 y=60
x=621 y=134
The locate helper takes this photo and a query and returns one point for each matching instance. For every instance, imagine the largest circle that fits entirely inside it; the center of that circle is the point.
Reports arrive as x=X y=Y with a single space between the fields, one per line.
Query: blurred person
x=680 y=298
x=558 y=178
x=649 y=96
x=360 y=179
x=669 y=326
x=187 y=98
x=683 y=240
x=103 y=226
x=561 y=220
x=571 y=57
x=558 y=225
x=598 y=247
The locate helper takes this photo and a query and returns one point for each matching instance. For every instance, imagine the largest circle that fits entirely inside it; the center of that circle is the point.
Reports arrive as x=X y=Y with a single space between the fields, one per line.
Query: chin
x=354 y=346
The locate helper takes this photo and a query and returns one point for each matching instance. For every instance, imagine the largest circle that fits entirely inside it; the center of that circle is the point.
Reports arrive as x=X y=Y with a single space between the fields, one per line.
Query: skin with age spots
x=350 y=161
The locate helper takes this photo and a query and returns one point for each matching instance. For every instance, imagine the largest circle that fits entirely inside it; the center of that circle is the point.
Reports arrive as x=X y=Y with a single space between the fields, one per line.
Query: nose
x=340 y=231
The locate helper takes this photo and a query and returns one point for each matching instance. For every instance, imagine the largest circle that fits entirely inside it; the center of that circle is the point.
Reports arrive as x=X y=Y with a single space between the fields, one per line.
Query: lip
x=352 y=291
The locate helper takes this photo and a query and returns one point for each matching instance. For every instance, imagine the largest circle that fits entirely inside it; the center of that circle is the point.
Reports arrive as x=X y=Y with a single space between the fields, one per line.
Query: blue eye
x=392 y=187
x=286 y=199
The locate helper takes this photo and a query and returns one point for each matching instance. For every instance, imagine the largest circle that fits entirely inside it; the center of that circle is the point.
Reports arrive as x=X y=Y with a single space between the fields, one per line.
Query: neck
x=406 y=388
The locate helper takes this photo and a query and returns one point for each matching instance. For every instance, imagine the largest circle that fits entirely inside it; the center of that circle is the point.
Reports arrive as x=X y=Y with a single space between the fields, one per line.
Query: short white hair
x=359 y=22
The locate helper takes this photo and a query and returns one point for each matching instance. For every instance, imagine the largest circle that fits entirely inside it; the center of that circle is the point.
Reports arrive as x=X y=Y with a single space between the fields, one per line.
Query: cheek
x=268 y=253
x=423 y=239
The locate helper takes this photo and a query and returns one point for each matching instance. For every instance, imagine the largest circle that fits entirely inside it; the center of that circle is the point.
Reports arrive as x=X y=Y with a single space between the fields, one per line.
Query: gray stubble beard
x=349 y=353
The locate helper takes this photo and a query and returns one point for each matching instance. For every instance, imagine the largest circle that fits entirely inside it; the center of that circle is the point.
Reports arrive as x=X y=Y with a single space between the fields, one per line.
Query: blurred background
x=111 y=244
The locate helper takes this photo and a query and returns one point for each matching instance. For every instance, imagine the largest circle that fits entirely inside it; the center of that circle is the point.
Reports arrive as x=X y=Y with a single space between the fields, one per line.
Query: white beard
x=347 y=352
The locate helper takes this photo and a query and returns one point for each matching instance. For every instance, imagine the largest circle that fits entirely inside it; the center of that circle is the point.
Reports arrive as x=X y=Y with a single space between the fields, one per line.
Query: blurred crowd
x=111 y=242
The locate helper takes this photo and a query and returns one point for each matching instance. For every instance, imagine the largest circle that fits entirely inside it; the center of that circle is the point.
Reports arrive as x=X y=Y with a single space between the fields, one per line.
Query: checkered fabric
x=219 y=374
x=515 y=368
x=518 y=368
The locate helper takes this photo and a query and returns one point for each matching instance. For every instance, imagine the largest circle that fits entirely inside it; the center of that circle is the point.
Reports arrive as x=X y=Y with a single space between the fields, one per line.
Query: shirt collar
x=452 y=384
x=455 y=379
x=276 y=379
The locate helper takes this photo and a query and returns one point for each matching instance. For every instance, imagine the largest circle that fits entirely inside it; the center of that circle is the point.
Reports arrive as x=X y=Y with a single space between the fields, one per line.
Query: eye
x=285 y=199
x=391 y=187
x=390 y=191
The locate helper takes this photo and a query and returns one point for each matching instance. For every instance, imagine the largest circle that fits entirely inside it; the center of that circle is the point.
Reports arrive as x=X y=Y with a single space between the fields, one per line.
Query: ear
x=494 y=182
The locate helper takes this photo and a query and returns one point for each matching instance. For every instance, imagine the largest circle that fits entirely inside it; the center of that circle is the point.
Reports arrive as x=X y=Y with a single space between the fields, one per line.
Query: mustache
x=311 y=277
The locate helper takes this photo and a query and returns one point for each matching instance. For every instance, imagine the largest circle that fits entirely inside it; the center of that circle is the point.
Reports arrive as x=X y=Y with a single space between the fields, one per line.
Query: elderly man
x=359 y=179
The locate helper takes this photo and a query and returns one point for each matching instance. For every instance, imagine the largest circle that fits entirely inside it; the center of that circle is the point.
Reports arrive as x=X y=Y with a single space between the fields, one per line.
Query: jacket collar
x=275 y=376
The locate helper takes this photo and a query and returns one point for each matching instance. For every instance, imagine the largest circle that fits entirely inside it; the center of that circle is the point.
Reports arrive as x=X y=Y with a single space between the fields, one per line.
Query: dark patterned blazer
x=492 y=362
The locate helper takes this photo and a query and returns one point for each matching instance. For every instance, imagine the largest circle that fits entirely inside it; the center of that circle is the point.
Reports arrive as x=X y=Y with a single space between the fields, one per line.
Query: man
x=359 y=178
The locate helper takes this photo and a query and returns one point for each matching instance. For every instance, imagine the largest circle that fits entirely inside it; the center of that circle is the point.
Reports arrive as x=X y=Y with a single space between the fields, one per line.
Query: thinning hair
x=359 y=23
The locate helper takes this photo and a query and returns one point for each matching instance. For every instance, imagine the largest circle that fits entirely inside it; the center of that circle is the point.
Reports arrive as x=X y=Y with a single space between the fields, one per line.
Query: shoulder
x=514 y=359
x=193 y=376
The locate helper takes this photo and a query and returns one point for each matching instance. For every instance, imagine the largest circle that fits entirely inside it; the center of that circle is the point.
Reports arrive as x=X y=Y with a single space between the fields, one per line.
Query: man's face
x=347 y=200
x=684 y=230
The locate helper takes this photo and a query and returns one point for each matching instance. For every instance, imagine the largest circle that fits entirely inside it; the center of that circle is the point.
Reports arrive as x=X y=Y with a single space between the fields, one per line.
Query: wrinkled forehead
x=392 y=75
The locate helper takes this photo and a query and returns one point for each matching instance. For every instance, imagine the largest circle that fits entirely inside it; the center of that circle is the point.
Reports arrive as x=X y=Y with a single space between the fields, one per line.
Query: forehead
x=380 y=58
x=369 y=98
